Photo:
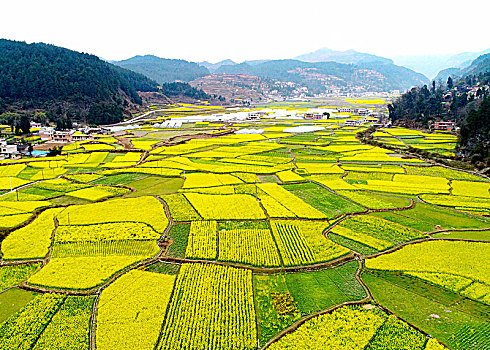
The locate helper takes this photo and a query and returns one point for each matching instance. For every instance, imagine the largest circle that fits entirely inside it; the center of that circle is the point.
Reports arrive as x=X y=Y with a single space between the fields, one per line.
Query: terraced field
x=244 y=240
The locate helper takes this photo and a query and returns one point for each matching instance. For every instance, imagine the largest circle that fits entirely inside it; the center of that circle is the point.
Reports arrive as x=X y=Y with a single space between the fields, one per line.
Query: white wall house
x=7 y=150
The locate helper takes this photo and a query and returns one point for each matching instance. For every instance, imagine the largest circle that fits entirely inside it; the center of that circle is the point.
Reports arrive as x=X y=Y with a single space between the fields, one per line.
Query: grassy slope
x=421 y=303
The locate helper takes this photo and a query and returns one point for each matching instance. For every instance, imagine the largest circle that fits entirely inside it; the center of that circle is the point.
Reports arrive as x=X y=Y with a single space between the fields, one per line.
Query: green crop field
x=219 y=238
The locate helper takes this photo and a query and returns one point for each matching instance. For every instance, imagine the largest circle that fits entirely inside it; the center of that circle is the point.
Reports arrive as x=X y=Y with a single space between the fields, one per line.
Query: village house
x=92 y=130
x=62 y=136
x=7 y=150
x=344 y=110
x=313 y=116
x=254 y=115
x=362 y=111
x=449 y=126
x=46 y=133
x=79 y=136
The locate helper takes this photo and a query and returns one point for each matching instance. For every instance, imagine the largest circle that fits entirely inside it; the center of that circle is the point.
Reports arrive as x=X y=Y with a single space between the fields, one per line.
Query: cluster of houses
x=49 y=134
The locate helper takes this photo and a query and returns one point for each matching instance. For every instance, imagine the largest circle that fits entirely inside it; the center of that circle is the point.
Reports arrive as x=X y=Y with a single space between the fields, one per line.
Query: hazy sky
x=241 y=30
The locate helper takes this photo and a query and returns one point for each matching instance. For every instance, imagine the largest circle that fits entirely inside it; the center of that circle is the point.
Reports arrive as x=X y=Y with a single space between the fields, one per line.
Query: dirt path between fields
x=351 y=256
x=93 y=323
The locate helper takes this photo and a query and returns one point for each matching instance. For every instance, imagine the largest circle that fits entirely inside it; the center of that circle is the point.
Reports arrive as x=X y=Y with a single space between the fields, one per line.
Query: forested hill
x=164 y=70
x=38 y=73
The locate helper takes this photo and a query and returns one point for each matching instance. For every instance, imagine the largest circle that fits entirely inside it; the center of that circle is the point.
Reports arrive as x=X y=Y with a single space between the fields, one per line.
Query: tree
x=105 y=113
x=55 y=151
x=450 y=83
x=64 y=123
x=40 y=117
x=9 y=118
x=433 y=86
x=24 y=124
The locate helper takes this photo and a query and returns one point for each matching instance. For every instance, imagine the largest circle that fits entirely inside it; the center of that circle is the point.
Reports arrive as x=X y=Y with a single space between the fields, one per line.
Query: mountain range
x=431 y=65
x=321 y=72
x=56 y=79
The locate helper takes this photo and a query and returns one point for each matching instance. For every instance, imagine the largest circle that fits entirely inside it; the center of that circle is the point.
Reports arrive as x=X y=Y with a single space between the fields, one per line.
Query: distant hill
x=321 y=77
x=346 y=57
x=464 y=59
x=61 y=81
x=256 y=62
x=478 y=66
x=212 y=67
x=164 y=70
x=431 y=65
x=444 y=74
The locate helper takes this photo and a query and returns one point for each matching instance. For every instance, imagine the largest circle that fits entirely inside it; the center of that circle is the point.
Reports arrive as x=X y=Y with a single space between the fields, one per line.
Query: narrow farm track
x=51 y=246
x=461 y=230
x=163 y=239
x=266 y=270
x=20 y=262
x=125 y=142
x=358 y=277
x=343 y=217
x=24 y=186
x=93 y=323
